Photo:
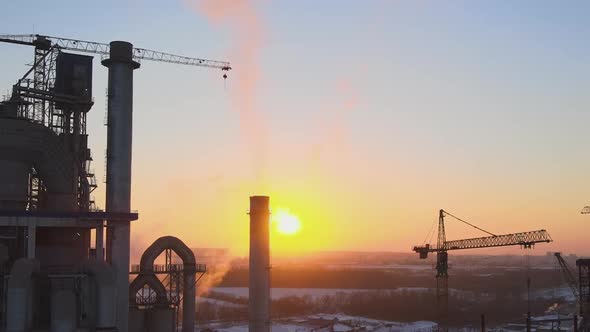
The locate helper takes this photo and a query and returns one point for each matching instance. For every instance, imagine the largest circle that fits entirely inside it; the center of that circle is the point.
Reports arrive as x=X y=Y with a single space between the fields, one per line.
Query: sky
x=362 y=118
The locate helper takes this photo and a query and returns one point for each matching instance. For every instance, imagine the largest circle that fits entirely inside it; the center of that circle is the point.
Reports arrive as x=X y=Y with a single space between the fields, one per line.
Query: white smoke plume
x=242 y=20
x=213 y=277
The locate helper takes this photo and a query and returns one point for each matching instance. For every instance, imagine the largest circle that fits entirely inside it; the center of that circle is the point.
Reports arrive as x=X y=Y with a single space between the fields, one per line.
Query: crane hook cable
x=472 y=225
x=430 y=233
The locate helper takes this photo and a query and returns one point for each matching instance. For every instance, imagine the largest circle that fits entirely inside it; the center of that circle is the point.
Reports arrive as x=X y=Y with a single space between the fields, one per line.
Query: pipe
x=31 y=240
x=156 y=286
x=99 y=245
x=189 y=267
x=259 y=290
x=118 y=188
x=188 y=298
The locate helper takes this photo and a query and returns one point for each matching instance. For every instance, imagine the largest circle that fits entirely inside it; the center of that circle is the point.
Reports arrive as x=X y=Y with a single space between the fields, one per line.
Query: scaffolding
x=171 y=275
x=38 y=101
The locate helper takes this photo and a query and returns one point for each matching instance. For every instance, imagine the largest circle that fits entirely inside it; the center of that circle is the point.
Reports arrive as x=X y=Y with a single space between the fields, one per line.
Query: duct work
x=161 y=306
x=259 y=289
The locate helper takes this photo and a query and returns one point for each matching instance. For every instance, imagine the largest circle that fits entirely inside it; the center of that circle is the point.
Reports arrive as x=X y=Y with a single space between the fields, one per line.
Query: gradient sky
x=361 y=117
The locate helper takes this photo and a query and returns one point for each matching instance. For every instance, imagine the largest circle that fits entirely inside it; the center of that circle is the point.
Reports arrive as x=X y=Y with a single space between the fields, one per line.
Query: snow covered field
x=554 y=293
x=335 y=322
x=277 y=293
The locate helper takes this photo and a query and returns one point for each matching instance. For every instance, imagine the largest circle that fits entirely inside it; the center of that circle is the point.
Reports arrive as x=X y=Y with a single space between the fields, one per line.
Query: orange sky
x=364 y=119
x=367 y=185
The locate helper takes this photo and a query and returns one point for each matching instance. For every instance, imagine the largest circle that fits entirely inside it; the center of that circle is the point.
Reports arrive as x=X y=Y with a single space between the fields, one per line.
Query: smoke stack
x=259 y=290
x=118 y=195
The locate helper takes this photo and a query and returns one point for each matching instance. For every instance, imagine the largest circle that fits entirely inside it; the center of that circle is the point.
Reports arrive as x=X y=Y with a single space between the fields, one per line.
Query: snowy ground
x=277 y=293
x=334 y=322
x=554 y=293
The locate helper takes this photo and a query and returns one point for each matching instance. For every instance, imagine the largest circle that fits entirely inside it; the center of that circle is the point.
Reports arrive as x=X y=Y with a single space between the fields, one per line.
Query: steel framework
x=37 y=99
x=171 y=276
x=584 y=277
x=37 y=102
x=524 y=239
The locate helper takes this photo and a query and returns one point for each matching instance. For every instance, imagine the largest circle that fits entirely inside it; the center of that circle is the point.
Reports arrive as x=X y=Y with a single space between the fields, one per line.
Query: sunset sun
x=285 y=222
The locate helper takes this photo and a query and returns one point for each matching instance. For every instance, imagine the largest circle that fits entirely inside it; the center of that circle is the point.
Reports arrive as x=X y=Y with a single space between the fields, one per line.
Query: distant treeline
x=486 y=280
x=405 y=306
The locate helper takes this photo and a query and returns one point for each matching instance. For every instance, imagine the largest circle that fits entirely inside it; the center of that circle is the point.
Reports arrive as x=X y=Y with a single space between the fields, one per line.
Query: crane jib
x=525 y=239
x=101 y=48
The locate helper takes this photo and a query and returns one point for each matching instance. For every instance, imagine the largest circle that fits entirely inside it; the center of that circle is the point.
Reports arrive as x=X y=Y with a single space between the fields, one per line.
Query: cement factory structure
x=54 y=278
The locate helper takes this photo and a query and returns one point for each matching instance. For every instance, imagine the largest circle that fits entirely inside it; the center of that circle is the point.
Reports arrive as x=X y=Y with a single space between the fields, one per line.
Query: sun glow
x=285 y=222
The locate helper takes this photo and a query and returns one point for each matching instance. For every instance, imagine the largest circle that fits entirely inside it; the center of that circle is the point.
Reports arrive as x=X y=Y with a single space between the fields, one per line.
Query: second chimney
x=259 y=290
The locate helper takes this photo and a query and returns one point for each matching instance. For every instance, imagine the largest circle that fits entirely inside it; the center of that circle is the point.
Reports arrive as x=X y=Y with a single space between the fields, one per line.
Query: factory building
x=64 y=263
x=52 y=278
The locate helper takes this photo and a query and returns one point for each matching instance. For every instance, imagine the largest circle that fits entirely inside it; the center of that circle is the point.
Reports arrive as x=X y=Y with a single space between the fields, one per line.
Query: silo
x=118 y=190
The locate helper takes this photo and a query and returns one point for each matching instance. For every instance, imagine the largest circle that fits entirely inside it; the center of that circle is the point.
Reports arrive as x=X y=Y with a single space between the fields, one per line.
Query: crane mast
x=523 y=239
x=568 y=275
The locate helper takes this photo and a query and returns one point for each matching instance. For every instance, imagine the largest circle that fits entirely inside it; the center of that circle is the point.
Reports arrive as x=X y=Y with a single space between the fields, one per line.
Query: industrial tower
x=584 y=292
x=52 y=278
x=568 y=276
x=525 y=240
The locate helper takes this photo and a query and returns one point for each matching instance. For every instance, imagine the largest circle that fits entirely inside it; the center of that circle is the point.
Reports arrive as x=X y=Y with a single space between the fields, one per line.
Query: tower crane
x=569 y=276
x=524 y=239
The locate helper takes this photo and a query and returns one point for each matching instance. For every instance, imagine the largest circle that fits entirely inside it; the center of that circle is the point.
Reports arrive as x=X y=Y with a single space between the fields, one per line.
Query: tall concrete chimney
x=259 y=290
x=118 y=188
